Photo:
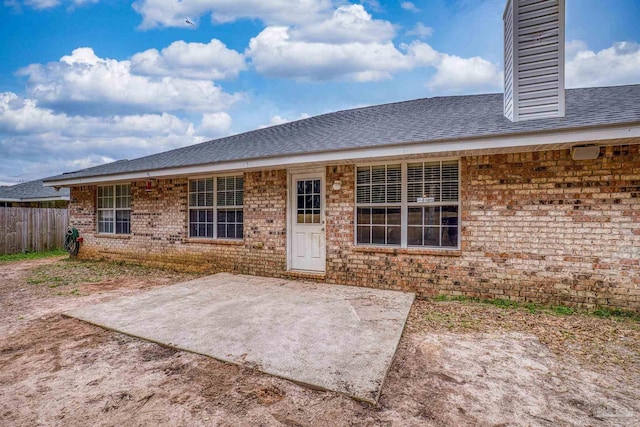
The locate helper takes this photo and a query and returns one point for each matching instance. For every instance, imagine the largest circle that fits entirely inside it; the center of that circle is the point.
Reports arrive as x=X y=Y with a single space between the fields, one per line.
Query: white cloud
x=350 y=45
x=273 y=52
x=24 y=116
x=276 y=52
x=19 y=115
x=83 y=2
x=348 y=24
x=460 y=74
x=88 y=162
x=372 y=5
x=407 y=5
x=85 y=110
x=279 y=120
x=171 y=13
x=453 y=73
x=83 y=78
x=347 y=45
x=573 y=47
x=39 y=141
x=41 y=4
x=422 y=54
x=615 y=65
x=215 y=125
x=211 y=61
x=420 y=30
x=46 y=4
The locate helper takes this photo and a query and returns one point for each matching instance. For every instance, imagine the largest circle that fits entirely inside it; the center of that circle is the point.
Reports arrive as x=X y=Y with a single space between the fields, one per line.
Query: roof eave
x=45 y=199
x=538 y=141
x=35 y=199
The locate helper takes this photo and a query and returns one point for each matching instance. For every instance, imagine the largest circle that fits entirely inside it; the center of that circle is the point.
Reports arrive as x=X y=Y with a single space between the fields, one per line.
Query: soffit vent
x=533 y=59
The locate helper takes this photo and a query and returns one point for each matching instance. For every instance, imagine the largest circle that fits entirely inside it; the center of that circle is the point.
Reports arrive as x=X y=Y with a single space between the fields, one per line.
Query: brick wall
x=82 y=208
x=159 y=233
x=547 y=228
x=535 y=227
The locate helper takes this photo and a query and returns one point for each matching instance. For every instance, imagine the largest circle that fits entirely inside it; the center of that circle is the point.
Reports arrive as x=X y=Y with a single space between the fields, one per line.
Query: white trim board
x=46 y=199
x=36 y=199
x=514 y=143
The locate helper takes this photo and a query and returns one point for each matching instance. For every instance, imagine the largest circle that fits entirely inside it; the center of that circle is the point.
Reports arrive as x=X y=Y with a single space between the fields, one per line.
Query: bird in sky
x=186 y=20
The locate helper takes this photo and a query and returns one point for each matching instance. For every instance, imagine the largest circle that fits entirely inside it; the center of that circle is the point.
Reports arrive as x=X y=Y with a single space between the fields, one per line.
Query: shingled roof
x=437 y=119
x=32 y=191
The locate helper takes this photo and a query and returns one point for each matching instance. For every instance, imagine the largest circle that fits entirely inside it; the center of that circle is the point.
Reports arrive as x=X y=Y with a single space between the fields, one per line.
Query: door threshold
x=307 y=274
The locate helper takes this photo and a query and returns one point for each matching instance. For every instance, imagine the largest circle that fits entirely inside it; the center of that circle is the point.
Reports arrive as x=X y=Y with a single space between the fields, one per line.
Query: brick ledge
x=215 y=241
x=112 y=236
x=300 y=274
x=408 y=251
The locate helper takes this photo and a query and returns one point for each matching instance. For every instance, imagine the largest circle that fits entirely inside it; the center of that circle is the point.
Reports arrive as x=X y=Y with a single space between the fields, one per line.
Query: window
x=408 y=204
x=114 y=209
x=432 y=200
x=379 y=196
x=216 y=214
x=308 y=206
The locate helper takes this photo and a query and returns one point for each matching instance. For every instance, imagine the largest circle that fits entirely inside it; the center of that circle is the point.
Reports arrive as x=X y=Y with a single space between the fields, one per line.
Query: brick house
x=33 y=194
x=533 y=195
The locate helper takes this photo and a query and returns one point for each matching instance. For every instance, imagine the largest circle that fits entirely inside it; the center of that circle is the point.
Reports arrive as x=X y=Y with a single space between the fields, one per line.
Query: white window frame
x=404 y=205
x=113 y=209
x=214 y=208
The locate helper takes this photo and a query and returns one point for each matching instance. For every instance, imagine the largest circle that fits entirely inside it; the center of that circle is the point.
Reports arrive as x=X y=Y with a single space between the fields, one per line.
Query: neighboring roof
x=32 y=191
x=427 y=120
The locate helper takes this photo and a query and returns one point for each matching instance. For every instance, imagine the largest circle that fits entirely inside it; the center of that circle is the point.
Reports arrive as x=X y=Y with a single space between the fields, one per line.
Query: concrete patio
x=324 y=336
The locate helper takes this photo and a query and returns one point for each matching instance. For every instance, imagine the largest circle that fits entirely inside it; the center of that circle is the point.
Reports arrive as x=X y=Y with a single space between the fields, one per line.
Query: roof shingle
x=420 y=120
x=31 y=191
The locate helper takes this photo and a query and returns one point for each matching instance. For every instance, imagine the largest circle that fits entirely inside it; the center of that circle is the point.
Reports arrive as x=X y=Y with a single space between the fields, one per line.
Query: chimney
x=533 y=59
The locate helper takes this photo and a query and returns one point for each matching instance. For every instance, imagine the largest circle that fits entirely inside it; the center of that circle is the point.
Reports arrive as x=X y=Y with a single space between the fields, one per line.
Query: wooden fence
x=32 y=229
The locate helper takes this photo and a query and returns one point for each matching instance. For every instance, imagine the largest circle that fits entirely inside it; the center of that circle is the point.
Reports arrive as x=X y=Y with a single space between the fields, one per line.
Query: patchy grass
x=533 y=308
x=72 y=275
x=462 y=298
x=615 y=312
x=562 y=310
x=602 y=337
x=50 y=281
x=451 y=321
x=502 y=303
x=31 y=255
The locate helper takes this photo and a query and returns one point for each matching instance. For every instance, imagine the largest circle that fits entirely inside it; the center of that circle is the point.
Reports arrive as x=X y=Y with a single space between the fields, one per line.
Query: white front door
x=306 y=207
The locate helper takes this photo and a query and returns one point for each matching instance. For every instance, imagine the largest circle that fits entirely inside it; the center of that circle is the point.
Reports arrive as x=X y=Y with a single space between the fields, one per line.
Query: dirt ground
x=458 y=363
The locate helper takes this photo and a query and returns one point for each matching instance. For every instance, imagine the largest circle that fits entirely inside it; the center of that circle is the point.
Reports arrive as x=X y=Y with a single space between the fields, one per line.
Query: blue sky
x=83 y=82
